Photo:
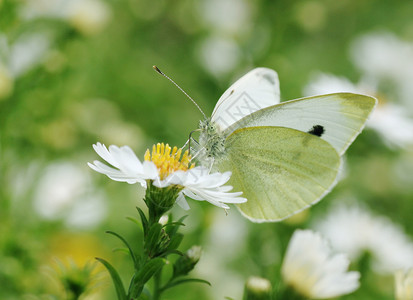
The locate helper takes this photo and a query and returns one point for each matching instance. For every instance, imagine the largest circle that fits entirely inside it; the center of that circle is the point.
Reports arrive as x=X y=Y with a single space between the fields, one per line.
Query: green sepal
x=148 y=270
x=182 y=281
x=120 y=290
x=135 y=258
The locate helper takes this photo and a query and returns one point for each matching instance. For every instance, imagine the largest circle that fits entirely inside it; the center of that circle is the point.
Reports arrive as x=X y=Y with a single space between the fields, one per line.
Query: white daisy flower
x=389 y=120
x=311 y=268
x=355 y=231
x=404 y=284
x=166 y=167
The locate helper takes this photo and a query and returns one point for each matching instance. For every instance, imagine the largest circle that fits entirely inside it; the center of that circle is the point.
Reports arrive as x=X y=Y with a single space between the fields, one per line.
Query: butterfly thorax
x=211 y=142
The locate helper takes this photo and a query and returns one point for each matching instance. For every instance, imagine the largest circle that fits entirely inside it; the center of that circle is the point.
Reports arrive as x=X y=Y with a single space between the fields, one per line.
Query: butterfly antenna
x=167 y=77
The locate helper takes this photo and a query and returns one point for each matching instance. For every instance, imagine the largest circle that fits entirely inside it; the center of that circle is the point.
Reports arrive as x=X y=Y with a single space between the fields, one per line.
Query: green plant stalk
x=157 y=285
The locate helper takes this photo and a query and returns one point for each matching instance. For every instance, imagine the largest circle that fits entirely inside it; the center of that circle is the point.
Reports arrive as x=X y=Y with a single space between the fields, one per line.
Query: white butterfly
x=285 y=156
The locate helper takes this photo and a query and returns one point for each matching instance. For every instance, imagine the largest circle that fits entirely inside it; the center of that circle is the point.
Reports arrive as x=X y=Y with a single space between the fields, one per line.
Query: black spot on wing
x=317 y=130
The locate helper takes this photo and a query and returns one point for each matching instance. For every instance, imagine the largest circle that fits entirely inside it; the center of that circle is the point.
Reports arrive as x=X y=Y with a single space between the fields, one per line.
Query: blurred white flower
x=226 y=233
x=392 y=122
x=404 y=284
x=226 y=16
x=219 y=55
x=165 y=167
x=64 y=192
x=25 y=53
x=323 y=83
x=389 y=120
x=28 y=51
x=311 y=268
x=87 y=16
x=354 y=231
x=383 y=56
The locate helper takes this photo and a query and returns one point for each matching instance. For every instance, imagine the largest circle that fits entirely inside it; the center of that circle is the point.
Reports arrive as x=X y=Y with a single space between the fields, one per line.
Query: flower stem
x=157 y=286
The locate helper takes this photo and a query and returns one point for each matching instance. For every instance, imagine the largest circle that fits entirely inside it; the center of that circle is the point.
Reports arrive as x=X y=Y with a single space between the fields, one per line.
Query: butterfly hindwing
x=280 y=170
x=336 y=118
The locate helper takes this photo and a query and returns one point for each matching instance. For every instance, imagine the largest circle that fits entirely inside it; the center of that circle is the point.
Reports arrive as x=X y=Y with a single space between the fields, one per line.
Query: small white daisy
x=404 y=284
x=311 y=268
x=355 y=231
x=167 y=167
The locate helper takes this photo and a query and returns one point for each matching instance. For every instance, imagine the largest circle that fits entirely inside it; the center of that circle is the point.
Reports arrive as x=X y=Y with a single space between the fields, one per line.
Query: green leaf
x=182 y=281
x=175 y=228
x=153 y=239
x=120 y=290
x=173 y=252
x=147 y=271
x=132 y=254
x=121 y=249
x=174 y=224
x=144 y=220
x=175 y=241
x=136 y=221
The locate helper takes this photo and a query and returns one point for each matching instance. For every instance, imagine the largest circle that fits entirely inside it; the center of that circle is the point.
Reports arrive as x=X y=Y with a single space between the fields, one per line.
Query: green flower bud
x=257 y=288
x=186 y=263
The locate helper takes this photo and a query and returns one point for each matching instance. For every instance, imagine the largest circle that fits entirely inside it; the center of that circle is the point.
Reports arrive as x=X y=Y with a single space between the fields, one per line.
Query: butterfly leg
x=190 y=138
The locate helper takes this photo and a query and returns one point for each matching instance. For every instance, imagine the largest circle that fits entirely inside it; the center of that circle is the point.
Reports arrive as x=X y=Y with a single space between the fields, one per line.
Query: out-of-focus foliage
x=74 y=72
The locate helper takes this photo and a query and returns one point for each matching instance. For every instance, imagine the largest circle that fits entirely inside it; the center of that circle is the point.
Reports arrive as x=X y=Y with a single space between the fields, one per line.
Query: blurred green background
x=75 y=72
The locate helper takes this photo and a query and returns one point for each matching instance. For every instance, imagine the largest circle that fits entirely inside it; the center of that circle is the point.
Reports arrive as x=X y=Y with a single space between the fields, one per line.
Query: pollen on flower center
x=168 y=160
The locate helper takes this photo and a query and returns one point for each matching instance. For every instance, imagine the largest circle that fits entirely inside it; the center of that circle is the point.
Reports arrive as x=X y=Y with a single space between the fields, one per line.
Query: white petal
x=181 y=201
x=128 y=167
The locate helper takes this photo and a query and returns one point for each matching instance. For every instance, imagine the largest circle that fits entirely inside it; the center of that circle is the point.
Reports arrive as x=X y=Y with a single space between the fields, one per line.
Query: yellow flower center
x=168 y=160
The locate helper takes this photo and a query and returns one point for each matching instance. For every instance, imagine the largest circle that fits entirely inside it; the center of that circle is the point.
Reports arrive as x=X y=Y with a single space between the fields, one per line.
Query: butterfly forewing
x=256 y=90
x=339 y=117
x=279 y=170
